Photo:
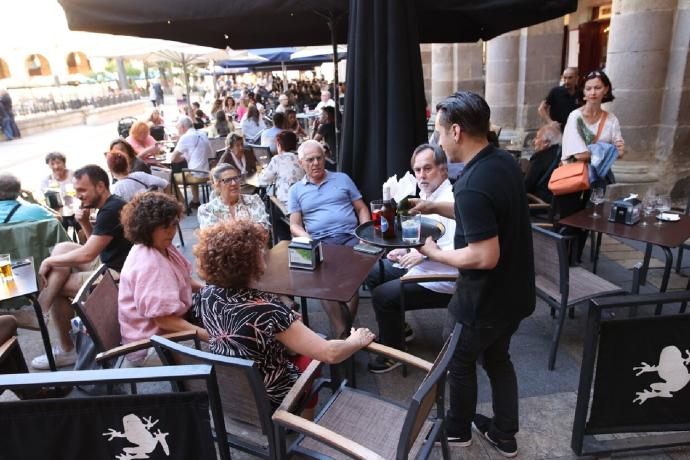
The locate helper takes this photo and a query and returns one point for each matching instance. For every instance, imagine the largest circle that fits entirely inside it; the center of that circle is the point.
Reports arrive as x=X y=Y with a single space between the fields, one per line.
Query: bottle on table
x=388 y=213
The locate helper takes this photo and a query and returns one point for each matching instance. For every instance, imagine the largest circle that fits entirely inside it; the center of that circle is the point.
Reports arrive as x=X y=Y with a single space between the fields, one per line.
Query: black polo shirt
x=561 y=103
x=490 y=201
x=108 y=223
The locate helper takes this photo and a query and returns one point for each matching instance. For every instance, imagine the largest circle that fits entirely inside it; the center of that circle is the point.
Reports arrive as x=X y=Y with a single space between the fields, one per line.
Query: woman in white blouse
x=583 y=123
x=252 y=124
x=284 y=169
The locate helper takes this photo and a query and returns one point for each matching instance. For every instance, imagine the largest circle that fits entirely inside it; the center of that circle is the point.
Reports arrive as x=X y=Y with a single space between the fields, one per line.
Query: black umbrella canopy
x=243 y=24
x=384 y=120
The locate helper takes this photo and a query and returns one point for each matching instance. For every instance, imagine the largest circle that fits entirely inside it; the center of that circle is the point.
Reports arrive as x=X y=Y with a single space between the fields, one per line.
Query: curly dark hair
x=226 y=254
x=145 y=212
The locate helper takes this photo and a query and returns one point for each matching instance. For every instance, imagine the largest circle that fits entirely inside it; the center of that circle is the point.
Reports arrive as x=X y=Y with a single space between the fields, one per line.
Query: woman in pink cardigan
x=156 y=282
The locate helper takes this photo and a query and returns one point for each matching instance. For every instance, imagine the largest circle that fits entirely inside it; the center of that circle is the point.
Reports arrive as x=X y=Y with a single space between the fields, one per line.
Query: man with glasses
x=562 y=100
x=70 y=264
x=326 y=206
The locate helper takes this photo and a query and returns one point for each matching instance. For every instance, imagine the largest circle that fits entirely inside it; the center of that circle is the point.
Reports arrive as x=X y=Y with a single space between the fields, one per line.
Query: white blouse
x=573 y=142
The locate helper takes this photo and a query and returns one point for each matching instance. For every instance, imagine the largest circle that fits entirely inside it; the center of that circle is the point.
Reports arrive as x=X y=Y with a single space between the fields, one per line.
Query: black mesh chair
x=166 y=425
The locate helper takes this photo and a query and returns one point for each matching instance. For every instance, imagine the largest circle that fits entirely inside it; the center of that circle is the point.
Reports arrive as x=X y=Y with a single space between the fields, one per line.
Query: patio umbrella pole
x=332 y=23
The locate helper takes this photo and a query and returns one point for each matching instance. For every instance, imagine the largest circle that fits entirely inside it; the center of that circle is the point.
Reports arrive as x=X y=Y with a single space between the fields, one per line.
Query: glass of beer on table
x=6 y=268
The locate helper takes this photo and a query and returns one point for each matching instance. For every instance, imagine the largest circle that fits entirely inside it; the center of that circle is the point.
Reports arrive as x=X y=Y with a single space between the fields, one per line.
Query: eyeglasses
x=310 y=160
x=232 y=180
x=594 y=73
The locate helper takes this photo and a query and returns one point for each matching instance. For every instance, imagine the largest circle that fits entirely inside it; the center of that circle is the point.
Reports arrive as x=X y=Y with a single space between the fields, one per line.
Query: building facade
x=643 y=45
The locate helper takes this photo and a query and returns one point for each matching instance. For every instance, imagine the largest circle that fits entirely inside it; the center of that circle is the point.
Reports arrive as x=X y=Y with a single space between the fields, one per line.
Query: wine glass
x=663 y=204
x=597 y=197
x=648 y=208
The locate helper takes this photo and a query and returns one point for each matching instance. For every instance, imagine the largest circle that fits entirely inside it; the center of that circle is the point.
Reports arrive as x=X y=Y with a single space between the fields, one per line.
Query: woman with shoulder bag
x=586 y=126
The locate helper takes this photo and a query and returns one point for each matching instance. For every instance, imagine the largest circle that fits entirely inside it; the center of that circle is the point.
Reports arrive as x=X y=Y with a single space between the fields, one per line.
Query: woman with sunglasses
x=590 y=123
x=229 y=203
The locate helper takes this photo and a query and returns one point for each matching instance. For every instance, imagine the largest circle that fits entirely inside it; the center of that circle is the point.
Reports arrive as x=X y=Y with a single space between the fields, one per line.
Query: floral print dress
x=283 y=170
x=249 y=207
x=243 y=323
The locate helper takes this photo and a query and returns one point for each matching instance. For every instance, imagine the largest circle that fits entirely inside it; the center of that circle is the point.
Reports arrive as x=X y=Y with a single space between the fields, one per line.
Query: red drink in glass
x=376 y=217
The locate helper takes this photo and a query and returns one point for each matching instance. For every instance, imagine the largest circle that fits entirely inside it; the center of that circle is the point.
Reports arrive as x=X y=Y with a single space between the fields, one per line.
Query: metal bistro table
x=667 y=236
x=337 y=278
x=367 y=233
x=24 y=285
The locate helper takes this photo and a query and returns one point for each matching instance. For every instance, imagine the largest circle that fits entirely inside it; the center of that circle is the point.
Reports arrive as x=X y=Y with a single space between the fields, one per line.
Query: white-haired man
x=547 y=146
x=193 y=147
x=325 y=206
x=326 y=101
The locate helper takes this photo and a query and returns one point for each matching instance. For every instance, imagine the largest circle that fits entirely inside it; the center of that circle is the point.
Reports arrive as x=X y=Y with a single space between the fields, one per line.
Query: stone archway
x=78 y=63
x=37 y=66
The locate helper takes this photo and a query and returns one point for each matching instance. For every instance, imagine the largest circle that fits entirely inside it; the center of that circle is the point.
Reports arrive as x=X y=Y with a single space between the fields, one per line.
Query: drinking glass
x=597 y=197
x=663 y=204
x=376 y=206
x=411 y=228
x=648 y=208
x=6 y=268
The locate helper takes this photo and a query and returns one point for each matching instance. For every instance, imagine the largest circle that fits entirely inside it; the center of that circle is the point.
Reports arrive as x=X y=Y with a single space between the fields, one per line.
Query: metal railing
x=30 y=100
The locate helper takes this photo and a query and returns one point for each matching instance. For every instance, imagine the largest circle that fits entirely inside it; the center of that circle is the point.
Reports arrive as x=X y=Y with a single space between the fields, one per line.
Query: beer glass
x=6 y=268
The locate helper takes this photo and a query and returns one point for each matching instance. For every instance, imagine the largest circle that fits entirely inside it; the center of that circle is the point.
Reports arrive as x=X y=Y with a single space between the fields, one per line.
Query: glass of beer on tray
x=376 y=206
x=6 y=268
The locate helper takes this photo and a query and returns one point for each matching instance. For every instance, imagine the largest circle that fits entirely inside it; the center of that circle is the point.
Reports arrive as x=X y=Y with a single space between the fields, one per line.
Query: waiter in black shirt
x=562 y=100
x=493 y=252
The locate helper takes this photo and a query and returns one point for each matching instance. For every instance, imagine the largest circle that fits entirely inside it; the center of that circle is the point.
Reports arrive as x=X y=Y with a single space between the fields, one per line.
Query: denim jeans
x=490 y=346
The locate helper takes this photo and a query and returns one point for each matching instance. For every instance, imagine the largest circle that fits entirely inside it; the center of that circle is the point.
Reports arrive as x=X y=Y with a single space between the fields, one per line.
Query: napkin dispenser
x=304 y=253
x=626 y=211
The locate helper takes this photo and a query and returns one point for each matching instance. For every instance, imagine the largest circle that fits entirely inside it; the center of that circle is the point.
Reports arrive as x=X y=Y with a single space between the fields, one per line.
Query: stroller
x=123 y=126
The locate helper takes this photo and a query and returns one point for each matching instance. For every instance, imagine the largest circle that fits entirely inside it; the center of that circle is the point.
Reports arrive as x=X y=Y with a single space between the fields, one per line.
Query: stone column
x=425 y=51
x=541 y=48
x=455 y=67
x=673 y=137
x=649 y=80
x=468 y=68
x=441 y=72
x=502 y=74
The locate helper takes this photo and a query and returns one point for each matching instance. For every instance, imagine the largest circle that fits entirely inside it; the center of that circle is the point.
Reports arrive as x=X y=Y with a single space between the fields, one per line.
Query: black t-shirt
x=327 y=130
x=561 y=103
x=490 y=201
x=108 y=223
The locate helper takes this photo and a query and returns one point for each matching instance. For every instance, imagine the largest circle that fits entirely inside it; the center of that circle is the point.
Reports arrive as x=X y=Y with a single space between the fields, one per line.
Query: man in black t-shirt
x=70 y=264
x=493 y=252
x=562 y=100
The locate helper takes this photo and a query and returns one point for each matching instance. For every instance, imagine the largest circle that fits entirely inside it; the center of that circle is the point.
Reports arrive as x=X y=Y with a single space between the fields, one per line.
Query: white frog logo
x=139 y=434
x=672 y=368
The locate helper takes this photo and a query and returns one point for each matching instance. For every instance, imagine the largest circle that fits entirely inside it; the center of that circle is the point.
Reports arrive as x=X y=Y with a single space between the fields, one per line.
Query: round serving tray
x=429 y=227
